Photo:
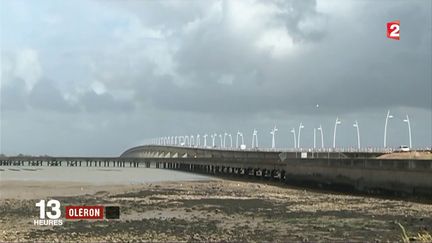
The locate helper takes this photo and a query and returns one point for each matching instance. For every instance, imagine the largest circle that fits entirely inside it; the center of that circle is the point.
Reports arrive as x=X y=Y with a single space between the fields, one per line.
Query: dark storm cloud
x=354 y=68
x=126 y=71
x=295 y=13
x=45 y=95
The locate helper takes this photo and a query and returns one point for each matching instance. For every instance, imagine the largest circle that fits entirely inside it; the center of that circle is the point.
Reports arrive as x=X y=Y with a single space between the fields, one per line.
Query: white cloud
x=98 y=87
x=277 y=42
x=28 y=67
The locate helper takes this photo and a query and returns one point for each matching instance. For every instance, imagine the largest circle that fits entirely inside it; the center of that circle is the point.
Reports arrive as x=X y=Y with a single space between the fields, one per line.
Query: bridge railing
x=315 y=150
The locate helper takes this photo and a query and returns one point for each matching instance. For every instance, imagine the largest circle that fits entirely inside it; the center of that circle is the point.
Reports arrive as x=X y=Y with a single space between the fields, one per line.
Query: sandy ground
x=219 y=210
x=407 y=155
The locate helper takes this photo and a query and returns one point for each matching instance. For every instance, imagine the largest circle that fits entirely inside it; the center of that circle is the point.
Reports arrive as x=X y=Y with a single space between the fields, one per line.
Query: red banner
x=84 y=212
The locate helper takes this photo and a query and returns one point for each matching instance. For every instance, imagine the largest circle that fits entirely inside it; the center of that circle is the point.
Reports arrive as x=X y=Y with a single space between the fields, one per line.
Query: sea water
x=95 y=175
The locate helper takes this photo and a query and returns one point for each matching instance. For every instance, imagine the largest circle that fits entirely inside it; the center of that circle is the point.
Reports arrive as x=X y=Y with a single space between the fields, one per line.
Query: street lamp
x=205 y=140
x=255 y=139
x=213 y=137
x=385 y=127
x=337 y=122
x=231 y=142
x=322 y=136
x=192 y=141
x=273 y=133
x=221 y=140
x=224 y=139
x=187 y=139
x=198 y=141
x=294 y=136
x=237 y=137
x=314 y=142
x=299 y=133
x=409 y=130
x=356 y=125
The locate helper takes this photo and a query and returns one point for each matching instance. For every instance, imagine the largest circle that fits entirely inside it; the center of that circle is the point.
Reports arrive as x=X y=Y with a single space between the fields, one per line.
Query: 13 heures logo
x=50 y=210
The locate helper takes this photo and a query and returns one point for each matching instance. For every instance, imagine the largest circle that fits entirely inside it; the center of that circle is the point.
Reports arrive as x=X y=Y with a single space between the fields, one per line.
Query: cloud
x=291 y=56
x=13 y=95
x=93 y=102
x=211 y=65
x=24 y=65
x=46 y=96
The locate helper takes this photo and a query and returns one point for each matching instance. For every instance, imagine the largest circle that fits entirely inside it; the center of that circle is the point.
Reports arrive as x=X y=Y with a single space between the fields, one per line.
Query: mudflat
x=217 y=210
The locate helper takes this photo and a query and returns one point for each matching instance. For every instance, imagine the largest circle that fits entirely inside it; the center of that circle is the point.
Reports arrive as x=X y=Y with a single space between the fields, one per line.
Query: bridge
x=341 y=170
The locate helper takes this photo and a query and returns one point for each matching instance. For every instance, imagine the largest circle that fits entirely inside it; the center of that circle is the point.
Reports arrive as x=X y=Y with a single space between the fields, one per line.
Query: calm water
x=96 y=175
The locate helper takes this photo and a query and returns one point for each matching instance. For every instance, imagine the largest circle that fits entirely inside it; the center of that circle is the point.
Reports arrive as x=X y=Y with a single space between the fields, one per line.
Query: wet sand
x=218 y=210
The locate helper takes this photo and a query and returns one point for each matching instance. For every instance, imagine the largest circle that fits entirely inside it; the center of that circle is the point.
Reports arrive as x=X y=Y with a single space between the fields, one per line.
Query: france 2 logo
x=393 y=29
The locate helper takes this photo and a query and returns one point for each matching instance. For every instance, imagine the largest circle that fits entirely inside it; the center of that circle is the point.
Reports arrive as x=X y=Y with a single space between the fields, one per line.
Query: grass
x=420 y=237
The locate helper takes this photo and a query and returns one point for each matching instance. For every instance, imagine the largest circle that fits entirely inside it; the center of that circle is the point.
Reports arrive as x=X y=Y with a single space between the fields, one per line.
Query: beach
x=209 y=210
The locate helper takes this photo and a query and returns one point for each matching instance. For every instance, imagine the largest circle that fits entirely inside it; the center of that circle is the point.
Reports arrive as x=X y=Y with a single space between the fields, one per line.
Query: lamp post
x=213 y=137
x=255 y=139
x=221 y=140
x=409 y=130
x=337 y=122
x=385 y=127
x=356 y=125
x=231 y=142
x=299 y=134
x=224 y=139
x=273 y=133
x=205 y=140
x=314 y=137
x=237 y=137
x=294 y=136
x=322 y=136
x=198 y=141
x=192 y=141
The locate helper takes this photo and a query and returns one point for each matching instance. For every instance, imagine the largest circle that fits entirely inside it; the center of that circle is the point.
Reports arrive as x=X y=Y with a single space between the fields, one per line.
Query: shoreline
x=34 y=189
x=213 y=210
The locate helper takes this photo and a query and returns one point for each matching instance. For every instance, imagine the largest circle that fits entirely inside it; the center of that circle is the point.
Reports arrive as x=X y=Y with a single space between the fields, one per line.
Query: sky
x=84 y=78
